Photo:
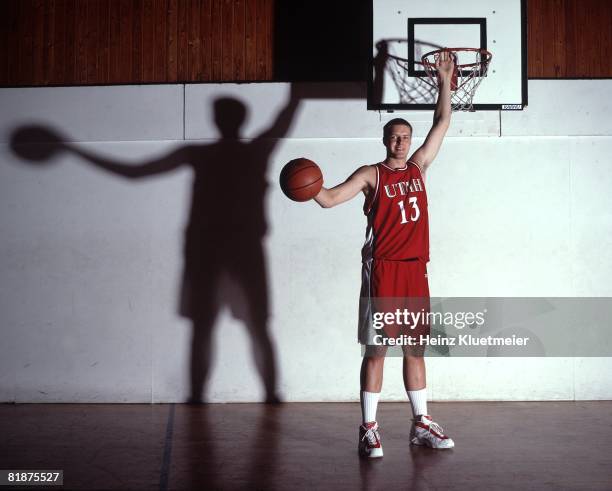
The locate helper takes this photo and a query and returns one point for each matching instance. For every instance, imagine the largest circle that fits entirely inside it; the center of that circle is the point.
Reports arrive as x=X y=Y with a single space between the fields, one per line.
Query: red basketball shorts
x=394 y=300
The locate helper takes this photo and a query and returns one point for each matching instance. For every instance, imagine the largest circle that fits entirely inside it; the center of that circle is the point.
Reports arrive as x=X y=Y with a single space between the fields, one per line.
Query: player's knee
x=375 y=352
x=375 y=361
x=413 y=353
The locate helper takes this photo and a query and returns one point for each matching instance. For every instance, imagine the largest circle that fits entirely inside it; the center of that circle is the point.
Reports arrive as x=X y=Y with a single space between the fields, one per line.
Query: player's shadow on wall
x=225 y=228
x=410 y=89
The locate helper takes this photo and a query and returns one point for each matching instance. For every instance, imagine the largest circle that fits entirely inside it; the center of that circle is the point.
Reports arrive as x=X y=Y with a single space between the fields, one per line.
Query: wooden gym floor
x=499 y=445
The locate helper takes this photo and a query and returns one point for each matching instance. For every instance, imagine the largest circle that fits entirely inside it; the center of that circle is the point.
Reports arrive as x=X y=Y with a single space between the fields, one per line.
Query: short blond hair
x=393 y=122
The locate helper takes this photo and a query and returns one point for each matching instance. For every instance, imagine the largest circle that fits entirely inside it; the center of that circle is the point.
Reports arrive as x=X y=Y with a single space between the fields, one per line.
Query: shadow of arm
x=283 y=121
x=163 y=164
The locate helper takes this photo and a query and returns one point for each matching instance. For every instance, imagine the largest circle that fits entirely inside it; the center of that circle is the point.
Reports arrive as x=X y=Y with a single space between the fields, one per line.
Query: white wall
x=90 y=263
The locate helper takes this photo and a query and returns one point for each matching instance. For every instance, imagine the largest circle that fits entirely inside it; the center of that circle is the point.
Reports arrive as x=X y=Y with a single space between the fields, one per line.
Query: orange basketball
x=301 y=179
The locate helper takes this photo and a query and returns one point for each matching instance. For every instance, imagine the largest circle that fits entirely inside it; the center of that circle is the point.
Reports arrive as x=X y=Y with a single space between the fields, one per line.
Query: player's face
x=398 y=141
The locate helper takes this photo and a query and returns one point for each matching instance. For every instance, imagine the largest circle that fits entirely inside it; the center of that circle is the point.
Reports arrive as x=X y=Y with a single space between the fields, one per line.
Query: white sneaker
x=425 y=431
x=369 y=441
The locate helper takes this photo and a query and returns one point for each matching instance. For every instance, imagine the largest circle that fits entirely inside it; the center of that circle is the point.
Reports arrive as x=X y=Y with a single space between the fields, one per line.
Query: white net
x=412 y=90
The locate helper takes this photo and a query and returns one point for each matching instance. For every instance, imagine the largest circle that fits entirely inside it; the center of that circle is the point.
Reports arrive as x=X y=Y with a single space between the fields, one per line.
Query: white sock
x=369 y=403
x=418 y=401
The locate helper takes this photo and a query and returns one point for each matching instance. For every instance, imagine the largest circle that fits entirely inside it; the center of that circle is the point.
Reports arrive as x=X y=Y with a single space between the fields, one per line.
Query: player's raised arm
x=363 y=179
x=427 y=152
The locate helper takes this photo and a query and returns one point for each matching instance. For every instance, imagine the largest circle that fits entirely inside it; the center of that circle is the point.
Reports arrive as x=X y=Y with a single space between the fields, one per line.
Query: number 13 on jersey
x=415 y=212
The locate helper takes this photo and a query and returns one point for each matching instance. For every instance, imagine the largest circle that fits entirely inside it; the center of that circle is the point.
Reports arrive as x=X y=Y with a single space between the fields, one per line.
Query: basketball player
x=394 y=259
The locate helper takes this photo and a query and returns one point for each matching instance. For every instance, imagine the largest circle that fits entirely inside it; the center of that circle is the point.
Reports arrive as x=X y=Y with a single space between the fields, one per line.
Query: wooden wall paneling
x=605 y=46
x=132 y=41
x=161 y=51
x=260 y=23
x=12 y=62
x=172 y=41
x=605 y=32
x=65 y=42
x=23 y=25
x=580 y=68
x=593 y=28
x=265 y=23
x=126 y=50
x=183 y=39
x=80 y=59
x=38 y=40
x=206 y=39
x=227 y=52
x=148 y=41
x=69 y=76
x=137 y=46
x=194 y=60
x=217 y=39
x=547 y=16
x=595 y=35
x=5 y=25
x=92 y=41
x=269 y=34
x=103 y=42
x=114 y=42
x=572 y=31
x=250 y=40
x=588 y=37
x=570 y=38
x=48 y=40
x=558 y=64
x=534 y=46
x=238 y=44
x=57 y=68
x=595 y=12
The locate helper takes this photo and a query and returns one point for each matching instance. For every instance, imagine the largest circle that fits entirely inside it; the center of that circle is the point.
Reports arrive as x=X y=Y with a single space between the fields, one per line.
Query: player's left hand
x=445 y=64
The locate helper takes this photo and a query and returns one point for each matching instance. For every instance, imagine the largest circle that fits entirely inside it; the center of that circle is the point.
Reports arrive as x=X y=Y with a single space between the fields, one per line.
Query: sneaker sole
x=427 y=443
x=377 y=453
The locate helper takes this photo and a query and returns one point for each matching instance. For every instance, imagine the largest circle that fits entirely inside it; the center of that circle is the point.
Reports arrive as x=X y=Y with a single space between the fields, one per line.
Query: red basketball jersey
x=398 y=225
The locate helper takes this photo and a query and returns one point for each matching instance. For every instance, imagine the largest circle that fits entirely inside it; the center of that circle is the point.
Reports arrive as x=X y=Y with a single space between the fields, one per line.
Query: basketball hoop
x=467 y=75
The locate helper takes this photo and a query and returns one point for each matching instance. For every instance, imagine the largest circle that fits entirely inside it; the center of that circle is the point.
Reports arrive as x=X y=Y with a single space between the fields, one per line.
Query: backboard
x=404 y=30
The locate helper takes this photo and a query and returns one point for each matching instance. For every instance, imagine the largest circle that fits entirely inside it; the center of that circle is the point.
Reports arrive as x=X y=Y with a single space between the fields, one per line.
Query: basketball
x=301 y=179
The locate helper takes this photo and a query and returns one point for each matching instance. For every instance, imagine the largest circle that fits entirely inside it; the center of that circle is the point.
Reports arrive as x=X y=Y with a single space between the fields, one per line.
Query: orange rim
x=483 y=52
